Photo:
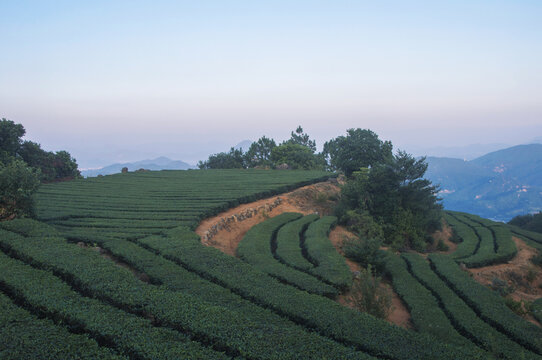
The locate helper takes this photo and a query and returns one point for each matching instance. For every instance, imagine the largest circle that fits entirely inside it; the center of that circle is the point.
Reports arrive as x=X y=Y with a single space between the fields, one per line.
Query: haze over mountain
x=160 y=163
x=498 y=185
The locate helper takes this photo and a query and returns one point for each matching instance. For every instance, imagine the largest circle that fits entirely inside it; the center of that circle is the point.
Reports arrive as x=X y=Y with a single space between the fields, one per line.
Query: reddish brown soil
x=445 y=235
x=515 y=273
x=305 y=200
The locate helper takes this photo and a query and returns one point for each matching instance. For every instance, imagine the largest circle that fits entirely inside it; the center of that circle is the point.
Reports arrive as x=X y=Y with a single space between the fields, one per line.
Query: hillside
x=499 y=185
x=118 y=267
x=160 y=163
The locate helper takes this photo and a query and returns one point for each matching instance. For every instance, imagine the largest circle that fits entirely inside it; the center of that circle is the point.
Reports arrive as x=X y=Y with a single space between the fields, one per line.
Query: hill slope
x=160 y=163
x=499 y=185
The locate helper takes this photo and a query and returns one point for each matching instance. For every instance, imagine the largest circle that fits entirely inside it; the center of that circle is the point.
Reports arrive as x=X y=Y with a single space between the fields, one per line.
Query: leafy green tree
x=531 y=222
x=259 y=153
x=10 y=139
x=297 y=157
x=300 y=138
x=234 y=159
x=53 y=166
x=398 y=198
x=358 y=149
x=18 y=182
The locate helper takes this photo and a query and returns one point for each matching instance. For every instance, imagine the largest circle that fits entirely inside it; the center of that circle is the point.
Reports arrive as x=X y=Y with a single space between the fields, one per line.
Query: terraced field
x=113 y=269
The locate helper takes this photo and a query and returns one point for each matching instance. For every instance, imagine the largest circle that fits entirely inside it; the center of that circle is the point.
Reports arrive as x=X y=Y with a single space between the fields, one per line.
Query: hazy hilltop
x=160 y=163
x=498 y=185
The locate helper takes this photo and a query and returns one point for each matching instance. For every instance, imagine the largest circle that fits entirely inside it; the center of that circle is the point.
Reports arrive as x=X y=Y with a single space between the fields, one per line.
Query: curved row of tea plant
x=422 y=305
x=256 y=249
x=487 y=304
x=127 y=333
x=329 y=264
x=462 y=316
x=225 y=329
x=25 y=336
x=288 y=243
x=494 y=245
x=151 y=201
x=469 y=239
x=314 y=312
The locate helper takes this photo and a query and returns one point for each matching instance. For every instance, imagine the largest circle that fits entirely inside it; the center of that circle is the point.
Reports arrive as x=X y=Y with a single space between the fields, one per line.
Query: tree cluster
x=298 y=152
x=385 y=197
x=531 y=222
x=23 y=165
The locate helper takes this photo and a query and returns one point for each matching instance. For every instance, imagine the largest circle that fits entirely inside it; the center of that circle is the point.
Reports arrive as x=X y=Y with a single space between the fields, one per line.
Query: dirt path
x=226 y=230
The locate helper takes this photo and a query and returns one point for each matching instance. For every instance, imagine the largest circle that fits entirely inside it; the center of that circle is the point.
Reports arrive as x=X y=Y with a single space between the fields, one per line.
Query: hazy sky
x=127 y=80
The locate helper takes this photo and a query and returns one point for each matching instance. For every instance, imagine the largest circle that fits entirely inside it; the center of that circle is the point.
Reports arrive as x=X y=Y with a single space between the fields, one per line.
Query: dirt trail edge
x=225 y=230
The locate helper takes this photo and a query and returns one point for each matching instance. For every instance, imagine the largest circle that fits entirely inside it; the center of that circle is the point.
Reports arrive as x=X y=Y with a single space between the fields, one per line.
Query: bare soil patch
x=445 y=235
x=522 y=277
x=316 y=198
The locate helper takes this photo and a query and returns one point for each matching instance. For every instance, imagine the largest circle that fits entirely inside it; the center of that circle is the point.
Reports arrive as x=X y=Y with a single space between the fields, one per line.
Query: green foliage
x=368 y=296
x=424 y=309
x=488 y=304
x=398 y=198
x=296 y=156
x=18 y=182
x=329 y=264
x=224 y=328
x=484 y=242
x=10 y=138
x=25 y=336
x=536 y=309
x=300 y=138
x=234 y=159
x=51 y=166
x=363 y=250
x=289 y=248
x=259 y=153
x=255 y=300
x=464 y=319
x=316 y=312
x=258 y=246
x=530 y=222
x=358 y=149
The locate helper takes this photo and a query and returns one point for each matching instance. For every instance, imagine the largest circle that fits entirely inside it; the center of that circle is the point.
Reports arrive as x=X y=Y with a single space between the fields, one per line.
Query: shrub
x=18 y=182
x=441 y=246
x=362 y=250
x=368 y=296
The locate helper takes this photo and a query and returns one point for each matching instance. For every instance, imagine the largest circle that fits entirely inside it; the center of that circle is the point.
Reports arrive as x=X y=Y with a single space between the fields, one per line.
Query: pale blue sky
x=123 y=80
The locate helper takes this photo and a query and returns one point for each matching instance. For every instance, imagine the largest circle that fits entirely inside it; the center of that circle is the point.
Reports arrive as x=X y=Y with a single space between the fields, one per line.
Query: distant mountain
x=498 y=185
x=160 y=163
x=466 y=152
x=244 y=145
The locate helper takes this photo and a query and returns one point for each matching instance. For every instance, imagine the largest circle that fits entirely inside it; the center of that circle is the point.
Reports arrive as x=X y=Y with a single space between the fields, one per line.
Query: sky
x=116 y=81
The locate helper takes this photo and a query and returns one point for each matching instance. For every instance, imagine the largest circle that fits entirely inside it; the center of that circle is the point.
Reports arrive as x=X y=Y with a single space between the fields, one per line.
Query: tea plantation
x=63 y=294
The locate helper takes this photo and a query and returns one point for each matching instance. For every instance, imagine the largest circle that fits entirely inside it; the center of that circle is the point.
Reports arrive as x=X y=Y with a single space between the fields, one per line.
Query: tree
x=398 y=198
x=358 y=149
x=300 y=138
x=234 y=159
x=368 y=296
x=297 y=157
x=53 y=166
x=259 y=153
x=65 y=165
x=10 y=139
x=18 y=182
